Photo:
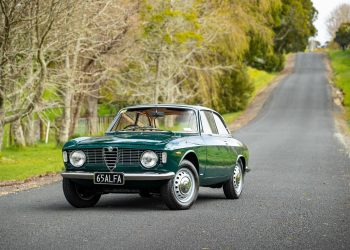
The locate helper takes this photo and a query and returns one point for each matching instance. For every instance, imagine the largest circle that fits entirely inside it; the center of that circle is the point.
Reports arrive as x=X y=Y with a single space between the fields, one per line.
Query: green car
x=169 y=150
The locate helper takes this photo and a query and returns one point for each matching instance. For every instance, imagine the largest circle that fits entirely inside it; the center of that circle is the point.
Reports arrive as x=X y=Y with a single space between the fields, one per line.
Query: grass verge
x=27 y=162
x=260 y=79
x=340 y=61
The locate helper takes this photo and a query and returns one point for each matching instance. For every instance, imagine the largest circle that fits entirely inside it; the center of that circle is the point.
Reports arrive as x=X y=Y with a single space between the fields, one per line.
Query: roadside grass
x=340 y=61
x=260 y=79
x=20 y=164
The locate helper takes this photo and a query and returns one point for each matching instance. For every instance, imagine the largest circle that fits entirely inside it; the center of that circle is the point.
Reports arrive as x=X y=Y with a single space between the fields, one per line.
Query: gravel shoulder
x=342 y=130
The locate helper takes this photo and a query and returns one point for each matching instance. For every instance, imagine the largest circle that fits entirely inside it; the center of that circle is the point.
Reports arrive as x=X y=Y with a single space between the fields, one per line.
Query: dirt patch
x=255 y=106
x=342 y=130
x=7 y=187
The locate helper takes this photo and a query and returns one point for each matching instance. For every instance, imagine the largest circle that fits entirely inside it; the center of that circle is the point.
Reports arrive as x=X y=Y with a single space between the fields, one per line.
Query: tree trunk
x=18 y=134
x=75 y=113
x=30 y=130
x=66 y=118
x=92 y=117
x=42 y=130
x=157 y=76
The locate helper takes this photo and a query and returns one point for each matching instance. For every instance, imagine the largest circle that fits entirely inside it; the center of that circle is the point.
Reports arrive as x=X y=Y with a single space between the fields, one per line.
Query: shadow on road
x=129 y=202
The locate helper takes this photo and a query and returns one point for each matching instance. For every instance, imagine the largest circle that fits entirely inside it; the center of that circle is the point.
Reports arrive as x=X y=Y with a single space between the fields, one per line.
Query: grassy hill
x=340 y=61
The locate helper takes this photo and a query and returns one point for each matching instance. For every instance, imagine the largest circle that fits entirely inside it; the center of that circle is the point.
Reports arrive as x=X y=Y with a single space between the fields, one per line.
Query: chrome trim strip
x=78 y=175
x=150 y=176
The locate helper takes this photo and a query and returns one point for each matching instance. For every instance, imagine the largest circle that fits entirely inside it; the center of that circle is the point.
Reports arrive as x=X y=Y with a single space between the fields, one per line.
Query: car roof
x=184 y=106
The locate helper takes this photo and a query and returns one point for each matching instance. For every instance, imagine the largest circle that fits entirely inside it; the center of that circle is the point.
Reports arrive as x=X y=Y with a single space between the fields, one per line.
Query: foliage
x=296 y=26
x=342 y=36
x=119 y=53
x=235 y=90
x=260 y=80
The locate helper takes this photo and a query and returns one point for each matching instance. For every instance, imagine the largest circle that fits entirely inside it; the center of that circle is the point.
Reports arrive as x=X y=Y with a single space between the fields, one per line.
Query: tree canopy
x=68 y=57
x=342 y=36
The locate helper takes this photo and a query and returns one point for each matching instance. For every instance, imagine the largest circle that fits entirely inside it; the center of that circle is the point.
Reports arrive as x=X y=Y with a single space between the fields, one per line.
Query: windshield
x=157 y=119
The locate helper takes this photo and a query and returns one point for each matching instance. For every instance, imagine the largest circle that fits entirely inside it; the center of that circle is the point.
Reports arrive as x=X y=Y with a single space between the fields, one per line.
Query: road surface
x=297 y=195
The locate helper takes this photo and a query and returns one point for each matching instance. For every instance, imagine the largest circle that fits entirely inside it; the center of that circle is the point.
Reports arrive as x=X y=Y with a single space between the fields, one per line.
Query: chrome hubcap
x=183 y=187
x=237 y=179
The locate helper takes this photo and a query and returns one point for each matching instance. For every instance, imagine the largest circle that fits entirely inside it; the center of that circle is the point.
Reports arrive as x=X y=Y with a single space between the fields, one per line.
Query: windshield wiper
x=134 y=127
x=149 y=128
x=131 y=127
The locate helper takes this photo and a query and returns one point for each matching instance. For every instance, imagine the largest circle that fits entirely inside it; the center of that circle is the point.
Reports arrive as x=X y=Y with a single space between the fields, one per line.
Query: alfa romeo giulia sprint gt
x=169 y=150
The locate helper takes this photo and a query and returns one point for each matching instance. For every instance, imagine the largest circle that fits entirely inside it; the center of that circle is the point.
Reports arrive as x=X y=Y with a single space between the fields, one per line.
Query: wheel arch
x=243 y=160
x=192 y=157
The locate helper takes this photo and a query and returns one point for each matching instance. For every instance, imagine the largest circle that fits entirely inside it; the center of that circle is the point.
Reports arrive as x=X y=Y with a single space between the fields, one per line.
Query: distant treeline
x=60 y=59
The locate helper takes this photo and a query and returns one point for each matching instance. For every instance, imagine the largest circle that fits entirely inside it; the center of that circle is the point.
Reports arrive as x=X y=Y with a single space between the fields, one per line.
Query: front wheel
x=181 y=192
x=79 y=196
x=234 y=186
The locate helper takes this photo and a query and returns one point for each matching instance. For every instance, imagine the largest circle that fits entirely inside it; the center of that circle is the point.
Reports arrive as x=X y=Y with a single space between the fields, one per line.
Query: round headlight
x=77 y=158
x=149 y=159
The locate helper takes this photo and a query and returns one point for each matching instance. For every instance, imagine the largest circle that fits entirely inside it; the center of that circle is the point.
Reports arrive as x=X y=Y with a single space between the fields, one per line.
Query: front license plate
x=109 y=178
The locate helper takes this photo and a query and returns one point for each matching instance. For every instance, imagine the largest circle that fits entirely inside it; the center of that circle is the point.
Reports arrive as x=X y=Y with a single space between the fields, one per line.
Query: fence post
x=47 y=132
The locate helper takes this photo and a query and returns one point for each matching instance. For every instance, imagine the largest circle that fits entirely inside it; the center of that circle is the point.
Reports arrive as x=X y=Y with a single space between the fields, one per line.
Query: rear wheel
x=181 y=191
x=234 y=186
x=79 y=196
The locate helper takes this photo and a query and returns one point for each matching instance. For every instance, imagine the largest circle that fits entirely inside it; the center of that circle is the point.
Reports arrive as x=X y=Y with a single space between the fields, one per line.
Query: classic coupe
x=169 y=150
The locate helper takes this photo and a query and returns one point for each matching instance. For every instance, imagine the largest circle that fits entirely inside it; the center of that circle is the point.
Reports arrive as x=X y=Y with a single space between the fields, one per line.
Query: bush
x=274 y=62
x=235 y=90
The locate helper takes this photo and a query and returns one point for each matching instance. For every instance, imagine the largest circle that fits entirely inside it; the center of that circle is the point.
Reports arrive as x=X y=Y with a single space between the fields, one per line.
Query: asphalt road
x=297 y=195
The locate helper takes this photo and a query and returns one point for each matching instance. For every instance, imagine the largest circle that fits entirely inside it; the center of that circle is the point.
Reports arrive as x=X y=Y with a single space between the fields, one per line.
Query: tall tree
x=92 y=33
x=25 y=28
x=169 y=38
x=296 y=26
x=342 y=36
x=339 y=15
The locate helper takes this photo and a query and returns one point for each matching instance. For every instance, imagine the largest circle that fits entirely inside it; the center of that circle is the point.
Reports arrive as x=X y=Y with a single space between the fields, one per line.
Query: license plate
x=109 y=178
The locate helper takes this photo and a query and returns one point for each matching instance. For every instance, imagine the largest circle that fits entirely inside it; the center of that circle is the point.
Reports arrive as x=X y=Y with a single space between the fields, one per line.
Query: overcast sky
x=324 y=8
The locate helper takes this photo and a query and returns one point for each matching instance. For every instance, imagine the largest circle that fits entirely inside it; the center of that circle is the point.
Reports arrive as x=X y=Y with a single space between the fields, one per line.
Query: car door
x=218 y=151
x=231 y=154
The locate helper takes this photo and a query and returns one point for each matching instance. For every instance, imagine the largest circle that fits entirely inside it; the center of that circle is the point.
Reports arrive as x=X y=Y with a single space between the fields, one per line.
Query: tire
x=78 y=196
x=145 y=194
x=181 y=192
x=234 y=186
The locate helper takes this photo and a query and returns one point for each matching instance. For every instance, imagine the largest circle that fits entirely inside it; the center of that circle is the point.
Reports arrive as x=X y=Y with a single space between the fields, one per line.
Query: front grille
x=110 y=155
x=123 y=156
x=94 y=155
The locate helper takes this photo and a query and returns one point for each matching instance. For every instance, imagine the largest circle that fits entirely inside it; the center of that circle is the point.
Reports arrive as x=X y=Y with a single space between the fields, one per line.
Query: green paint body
x=216 y=154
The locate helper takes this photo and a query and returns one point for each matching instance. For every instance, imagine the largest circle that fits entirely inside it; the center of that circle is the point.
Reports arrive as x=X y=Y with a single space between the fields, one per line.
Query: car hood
x=124 y=139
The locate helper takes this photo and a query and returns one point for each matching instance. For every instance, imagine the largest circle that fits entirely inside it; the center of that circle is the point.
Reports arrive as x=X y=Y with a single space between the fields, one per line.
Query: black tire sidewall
x=167 y=190
x=70 y=192
x=228 y=188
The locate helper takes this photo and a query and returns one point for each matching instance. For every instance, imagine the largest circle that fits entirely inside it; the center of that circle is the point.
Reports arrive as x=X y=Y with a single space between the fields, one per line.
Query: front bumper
x=127 y=176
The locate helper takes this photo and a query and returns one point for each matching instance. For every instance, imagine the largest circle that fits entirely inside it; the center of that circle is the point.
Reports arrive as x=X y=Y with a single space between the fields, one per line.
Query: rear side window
x=220 y=125
x=208 y=123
